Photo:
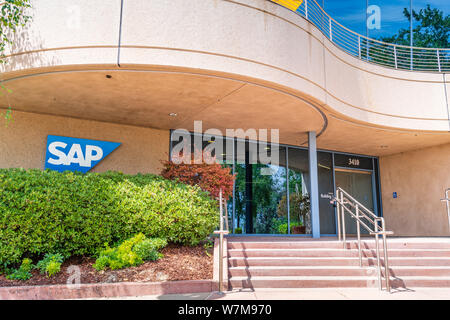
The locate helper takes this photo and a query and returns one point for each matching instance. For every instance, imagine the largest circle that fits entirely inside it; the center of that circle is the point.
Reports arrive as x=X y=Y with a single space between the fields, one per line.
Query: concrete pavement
x=307 y=294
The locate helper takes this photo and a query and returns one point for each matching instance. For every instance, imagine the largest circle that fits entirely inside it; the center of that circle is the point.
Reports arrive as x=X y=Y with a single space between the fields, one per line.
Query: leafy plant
x=76 y=214
x=238 y=230
x=8 y=113
x=50 y=264
x=24 y=271
x=13 y=16
x=209 y=177
x=207 y=246
x=131 y=252
x=53 y=268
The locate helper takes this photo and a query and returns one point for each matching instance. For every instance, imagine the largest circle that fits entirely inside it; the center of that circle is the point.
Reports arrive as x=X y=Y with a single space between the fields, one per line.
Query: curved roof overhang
x=223 y=76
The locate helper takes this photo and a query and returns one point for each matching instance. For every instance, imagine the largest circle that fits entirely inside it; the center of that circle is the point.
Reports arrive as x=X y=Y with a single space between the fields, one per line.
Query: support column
x=314 y=188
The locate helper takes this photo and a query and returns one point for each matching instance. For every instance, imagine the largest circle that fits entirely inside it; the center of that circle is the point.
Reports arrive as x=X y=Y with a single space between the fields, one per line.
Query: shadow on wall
x=27 y=39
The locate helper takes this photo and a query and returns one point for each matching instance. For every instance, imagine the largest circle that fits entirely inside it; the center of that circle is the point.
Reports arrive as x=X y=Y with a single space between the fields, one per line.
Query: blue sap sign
x=64 y=153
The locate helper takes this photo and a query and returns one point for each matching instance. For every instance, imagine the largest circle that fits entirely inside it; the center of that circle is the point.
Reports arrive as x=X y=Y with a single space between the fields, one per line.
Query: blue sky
x=351 y=13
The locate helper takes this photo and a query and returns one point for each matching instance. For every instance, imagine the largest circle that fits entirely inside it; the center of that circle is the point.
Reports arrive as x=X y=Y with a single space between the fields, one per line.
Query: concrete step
x=283 y=244
x=367 y=244
x=306 y=263
x=303 y=282
x=398 y=271
x=326 y=252
x=420 y=281
x=335 y=261
x=335 y=282
x=300 y=271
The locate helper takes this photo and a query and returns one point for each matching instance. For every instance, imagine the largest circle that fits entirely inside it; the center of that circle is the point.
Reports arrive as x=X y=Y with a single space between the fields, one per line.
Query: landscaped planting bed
x=113 y=227
x=178 y=263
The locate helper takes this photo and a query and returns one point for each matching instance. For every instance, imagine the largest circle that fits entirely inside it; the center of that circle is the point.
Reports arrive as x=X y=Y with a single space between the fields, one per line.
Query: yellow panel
x=290 y=4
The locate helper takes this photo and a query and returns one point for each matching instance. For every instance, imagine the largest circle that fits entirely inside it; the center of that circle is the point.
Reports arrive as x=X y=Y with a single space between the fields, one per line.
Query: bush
x=24 y=271
x=50 y=264
x=76 y=214
x=131 y=252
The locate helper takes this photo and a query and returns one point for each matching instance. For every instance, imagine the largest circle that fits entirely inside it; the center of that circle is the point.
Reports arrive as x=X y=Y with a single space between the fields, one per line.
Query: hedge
x=80 y=214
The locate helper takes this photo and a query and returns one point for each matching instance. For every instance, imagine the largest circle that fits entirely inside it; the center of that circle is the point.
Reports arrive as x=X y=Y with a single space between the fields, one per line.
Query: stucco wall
x=420 y=179
x=246 y=38
x=23 y=142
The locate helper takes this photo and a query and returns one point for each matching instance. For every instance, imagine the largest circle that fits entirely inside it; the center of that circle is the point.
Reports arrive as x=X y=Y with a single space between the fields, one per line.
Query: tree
x=13 y=16
x=432 y=29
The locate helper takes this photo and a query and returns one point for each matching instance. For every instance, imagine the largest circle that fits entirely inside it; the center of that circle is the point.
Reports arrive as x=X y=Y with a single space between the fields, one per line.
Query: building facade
x=134 y=72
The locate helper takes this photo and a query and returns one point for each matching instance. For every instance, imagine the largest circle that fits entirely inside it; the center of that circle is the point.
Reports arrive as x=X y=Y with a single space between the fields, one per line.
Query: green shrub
x=53 y=268
x=147 y=249
x=50 y=264
x=24 y=271
x=131 y=252
x=238 y=230
x=76 y=214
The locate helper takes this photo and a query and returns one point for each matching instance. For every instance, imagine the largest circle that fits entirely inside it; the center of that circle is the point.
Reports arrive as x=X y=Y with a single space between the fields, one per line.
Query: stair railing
x=223 y=230
x=447 y=200
x=365 y=218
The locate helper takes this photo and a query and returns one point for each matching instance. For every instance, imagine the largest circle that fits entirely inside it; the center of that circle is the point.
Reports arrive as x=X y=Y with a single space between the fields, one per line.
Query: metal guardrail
x=223 y=230
x=365 y=218
x=367 y=49
x=447 y=200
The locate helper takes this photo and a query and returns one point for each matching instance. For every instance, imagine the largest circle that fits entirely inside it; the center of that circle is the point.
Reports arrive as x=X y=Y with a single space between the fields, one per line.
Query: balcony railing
x=367 y=49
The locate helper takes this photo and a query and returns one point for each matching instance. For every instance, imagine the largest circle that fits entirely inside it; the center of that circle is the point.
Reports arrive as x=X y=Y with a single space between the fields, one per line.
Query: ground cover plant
x=130 y=253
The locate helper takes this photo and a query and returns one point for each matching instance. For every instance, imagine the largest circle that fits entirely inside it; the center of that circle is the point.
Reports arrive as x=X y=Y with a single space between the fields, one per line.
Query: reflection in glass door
x=274 y=198
x=357 y=183
x=260 y=190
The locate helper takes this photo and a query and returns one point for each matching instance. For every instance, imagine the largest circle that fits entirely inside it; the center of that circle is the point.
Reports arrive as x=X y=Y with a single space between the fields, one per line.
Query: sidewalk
x=307 y=294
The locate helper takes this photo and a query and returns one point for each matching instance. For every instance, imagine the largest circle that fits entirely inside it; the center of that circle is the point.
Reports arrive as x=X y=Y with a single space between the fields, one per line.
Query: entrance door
x=358 y=184
x=260 y=189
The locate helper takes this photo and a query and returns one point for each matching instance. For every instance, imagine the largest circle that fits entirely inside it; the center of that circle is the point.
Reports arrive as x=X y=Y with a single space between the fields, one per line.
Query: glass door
x=358 y=183
x=260 y=190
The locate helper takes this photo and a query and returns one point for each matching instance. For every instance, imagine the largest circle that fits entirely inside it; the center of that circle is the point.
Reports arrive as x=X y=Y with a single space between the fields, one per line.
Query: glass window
x=260 y=190
x=299 y=185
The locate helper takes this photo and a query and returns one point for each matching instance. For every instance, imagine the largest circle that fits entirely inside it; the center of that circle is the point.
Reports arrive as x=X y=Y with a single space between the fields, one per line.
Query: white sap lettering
x=52 y=148
x=76 y=156
x=93 y=157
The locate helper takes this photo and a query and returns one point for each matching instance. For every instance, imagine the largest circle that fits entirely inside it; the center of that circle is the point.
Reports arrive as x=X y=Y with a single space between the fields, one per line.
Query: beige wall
x=23 y=142
x=245 y=38
x=420 y=179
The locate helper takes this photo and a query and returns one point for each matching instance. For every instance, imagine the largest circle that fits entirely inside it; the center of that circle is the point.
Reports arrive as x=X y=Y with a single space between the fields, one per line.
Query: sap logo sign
x=64 y=153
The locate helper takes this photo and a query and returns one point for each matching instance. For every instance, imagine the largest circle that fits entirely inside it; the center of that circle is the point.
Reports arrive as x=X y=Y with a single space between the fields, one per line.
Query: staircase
x=262 y=262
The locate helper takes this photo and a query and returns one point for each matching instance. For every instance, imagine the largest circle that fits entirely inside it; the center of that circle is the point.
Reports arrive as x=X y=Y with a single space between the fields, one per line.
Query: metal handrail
x=364 y=217
x=371 y=50
x=222 y=231
x=447 y=200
